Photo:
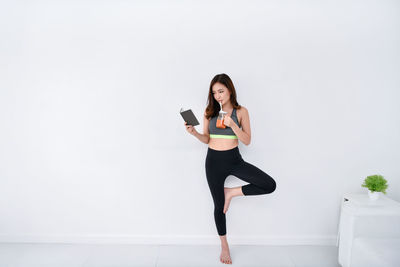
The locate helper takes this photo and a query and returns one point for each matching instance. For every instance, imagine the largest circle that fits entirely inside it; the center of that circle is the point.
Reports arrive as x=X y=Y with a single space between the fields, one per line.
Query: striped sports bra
x=226 y=133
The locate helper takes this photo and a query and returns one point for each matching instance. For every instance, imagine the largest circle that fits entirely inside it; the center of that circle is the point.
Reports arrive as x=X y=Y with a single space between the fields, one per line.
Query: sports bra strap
x=234 y=112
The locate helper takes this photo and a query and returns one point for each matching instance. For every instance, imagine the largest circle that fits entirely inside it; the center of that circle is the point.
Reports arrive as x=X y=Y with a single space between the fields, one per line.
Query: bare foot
x=225 y=256
x=228 y=197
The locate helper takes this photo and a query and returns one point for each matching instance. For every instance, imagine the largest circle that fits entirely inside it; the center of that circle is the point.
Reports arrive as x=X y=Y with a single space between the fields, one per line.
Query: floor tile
x=43 y=255
x=122 y=256
x=314 y=256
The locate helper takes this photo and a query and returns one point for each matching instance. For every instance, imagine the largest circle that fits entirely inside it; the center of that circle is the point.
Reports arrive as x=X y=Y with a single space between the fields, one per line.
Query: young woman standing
x=223 y=156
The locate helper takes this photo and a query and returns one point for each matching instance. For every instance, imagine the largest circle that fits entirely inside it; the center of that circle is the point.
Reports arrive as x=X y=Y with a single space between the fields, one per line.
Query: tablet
x=189 y=117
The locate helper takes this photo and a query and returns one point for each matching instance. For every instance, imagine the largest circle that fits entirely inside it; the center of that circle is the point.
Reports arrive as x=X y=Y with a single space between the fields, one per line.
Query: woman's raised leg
x=259 y=182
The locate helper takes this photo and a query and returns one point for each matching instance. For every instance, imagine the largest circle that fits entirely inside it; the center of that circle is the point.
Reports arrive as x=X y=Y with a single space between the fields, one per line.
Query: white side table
x=356 y=207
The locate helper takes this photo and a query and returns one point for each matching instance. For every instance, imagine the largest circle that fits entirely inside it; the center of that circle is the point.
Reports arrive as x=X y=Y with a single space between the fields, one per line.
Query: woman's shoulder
x=242 y=110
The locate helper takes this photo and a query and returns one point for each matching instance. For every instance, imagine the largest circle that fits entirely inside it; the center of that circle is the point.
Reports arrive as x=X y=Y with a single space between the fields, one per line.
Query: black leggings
x=220 y=164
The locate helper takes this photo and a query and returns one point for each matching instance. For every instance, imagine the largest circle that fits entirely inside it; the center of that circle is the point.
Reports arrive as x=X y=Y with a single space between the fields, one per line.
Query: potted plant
x=375 y=184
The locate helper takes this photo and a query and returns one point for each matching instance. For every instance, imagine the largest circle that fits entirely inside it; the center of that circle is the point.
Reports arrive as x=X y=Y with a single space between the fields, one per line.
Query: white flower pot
x=373 y=195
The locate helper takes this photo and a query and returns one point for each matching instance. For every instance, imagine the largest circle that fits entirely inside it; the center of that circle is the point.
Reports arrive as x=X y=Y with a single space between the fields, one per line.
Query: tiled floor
x=82 y=255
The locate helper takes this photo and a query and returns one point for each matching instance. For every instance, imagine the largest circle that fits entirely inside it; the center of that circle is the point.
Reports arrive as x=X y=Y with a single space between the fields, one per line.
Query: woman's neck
x=227 y=106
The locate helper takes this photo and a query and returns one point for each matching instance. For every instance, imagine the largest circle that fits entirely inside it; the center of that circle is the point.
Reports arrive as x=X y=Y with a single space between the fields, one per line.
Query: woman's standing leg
x=216 y=180
x=216 y=185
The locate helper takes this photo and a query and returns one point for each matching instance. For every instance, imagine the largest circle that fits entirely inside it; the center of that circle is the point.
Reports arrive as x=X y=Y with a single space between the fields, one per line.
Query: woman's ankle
x=224 y=242
x=225 y=246
x=238 y=191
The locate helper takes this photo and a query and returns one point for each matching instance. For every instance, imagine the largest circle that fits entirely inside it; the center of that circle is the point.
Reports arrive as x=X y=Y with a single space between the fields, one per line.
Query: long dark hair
x=213 y=106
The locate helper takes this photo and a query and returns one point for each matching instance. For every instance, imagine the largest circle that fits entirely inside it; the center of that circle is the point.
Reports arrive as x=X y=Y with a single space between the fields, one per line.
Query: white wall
x=92 y=147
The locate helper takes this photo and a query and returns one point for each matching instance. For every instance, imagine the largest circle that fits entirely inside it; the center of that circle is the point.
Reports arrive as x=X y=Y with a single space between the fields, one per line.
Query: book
x=189 y=117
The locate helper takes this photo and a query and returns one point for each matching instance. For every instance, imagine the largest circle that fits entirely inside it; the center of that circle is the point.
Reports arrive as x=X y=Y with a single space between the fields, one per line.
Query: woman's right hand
x=190 y=129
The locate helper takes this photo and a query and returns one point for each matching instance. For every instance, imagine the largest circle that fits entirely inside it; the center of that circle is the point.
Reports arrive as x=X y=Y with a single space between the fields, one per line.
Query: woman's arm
x=244 y=134
x=205 y=137
x=202 y=137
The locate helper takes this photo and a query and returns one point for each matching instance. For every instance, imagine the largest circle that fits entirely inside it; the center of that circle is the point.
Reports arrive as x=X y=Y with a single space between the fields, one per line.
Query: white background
x=92 y=146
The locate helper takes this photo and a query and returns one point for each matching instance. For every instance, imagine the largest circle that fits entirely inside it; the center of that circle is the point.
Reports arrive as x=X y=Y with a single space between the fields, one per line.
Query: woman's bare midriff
x=222 y=144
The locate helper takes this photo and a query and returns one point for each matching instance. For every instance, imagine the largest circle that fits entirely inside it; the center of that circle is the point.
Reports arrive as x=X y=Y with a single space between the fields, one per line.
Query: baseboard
x=170 y=239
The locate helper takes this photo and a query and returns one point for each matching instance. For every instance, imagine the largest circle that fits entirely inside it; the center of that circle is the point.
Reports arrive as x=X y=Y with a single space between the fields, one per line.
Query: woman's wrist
x=234 y=127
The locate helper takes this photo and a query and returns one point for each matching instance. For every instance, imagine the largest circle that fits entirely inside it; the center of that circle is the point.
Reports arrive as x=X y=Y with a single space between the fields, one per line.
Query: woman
x=223 y=157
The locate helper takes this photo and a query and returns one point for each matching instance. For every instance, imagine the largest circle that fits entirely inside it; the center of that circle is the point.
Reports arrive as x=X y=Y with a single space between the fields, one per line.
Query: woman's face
x=221 y=93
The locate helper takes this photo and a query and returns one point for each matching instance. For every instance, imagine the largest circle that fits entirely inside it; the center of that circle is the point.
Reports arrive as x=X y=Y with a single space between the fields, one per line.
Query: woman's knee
x=270 y=184
x=218 y=208
x=273 y=185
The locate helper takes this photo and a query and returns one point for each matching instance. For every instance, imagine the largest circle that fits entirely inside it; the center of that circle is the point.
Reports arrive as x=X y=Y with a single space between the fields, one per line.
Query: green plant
x=375 y=183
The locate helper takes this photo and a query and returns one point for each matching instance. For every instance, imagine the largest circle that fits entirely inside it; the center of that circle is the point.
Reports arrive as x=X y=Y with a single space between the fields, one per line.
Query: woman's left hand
x=228 y=121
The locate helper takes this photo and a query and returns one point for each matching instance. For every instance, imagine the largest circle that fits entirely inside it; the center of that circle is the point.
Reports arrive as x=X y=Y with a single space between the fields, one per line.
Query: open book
x=189 y=117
